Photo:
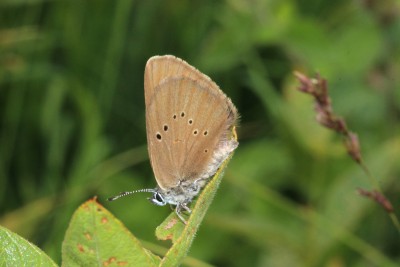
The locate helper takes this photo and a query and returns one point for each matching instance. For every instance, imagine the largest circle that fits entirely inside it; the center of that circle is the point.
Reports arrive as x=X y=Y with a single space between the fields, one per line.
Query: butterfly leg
x=178 y=211
x=185 y=207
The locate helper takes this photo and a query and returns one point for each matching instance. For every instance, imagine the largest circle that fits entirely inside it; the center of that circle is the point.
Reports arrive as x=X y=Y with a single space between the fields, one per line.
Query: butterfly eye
x=158 y=199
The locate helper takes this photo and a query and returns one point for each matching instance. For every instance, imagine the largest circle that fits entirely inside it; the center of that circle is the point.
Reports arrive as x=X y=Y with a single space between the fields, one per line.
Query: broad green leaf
x=96 y=238
x=17 y=251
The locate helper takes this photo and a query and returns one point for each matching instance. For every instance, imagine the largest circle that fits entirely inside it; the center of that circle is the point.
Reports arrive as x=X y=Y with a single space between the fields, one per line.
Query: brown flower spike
x=318 y=88
x=378 y=198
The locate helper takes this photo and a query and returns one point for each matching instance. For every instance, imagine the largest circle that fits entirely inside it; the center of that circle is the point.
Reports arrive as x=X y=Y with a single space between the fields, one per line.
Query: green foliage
x=16 y=251
x=95 y=237
x=72 y=125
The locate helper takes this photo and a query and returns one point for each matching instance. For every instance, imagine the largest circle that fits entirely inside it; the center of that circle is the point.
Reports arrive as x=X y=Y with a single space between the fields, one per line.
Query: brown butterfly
x=190 y=130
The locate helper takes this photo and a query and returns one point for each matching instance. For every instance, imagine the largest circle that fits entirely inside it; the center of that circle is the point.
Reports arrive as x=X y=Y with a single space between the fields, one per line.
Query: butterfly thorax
x=182 y=193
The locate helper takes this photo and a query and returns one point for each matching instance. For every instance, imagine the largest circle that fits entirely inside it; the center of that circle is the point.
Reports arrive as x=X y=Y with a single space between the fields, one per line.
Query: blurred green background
x=72 y=122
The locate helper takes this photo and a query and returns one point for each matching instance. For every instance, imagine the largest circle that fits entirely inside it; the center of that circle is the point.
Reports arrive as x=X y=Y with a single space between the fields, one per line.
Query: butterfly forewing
x=185 y=121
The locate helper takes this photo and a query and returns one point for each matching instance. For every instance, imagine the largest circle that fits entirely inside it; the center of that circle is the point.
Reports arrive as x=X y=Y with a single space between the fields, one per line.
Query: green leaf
x=17 y=251
x=182 y=235
x=96 y=238
x=170 y=229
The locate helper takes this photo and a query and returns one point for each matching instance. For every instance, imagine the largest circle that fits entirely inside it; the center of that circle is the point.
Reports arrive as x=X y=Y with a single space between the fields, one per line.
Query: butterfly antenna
x=122 y=194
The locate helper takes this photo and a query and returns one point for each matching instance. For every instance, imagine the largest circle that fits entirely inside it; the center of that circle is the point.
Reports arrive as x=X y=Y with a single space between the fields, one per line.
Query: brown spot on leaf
x=122 y=263
x=171 y=224
x=88 y=236
x=104 y=220
x=109 y=261
x=168 y=237
x=80 y=248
